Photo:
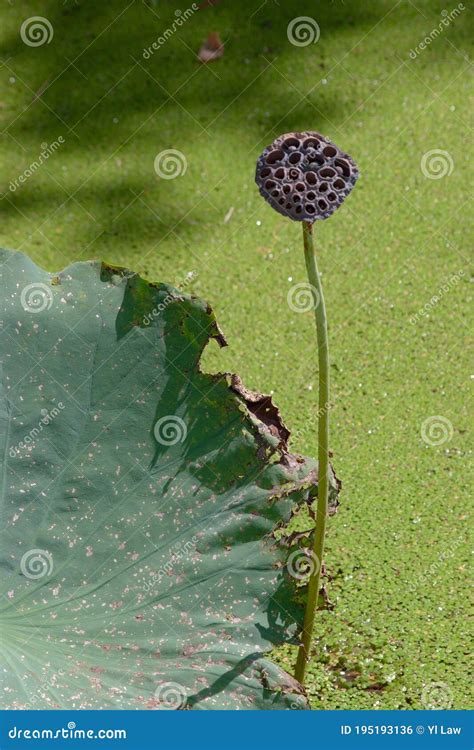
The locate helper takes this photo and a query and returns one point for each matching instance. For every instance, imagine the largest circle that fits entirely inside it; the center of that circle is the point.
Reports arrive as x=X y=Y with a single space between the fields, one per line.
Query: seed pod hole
x=327 y=172
x=329 y=151
x=294 y=158
x=317 y=159
x=339 y=184
x=279 y=173
x=274 y=156
x=311 y=178
x=291 y=142
x=344 y=165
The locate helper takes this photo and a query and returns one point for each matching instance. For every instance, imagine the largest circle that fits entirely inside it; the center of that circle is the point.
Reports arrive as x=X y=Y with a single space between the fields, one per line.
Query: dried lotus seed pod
x=305 y=176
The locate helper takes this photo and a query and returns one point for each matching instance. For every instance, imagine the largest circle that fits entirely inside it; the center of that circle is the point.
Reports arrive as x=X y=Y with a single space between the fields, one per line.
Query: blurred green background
x=397 y=552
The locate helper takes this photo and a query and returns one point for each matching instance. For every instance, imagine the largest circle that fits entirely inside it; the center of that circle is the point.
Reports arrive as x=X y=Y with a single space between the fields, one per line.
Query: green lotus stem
x=323 y=450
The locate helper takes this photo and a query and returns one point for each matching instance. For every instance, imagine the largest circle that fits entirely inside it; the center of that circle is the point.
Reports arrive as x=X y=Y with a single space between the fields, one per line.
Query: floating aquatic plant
x=307 y=177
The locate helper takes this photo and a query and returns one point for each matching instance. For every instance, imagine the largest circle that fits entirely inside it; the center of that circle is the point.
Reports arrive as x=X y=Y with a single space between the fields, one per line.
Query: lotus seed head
x=305 y=176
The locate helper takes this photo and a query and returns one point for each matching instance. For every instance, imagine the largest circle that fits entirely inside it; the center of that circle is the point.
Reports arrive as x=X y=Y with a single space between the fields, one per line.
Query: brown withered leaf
x=212 y=49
